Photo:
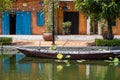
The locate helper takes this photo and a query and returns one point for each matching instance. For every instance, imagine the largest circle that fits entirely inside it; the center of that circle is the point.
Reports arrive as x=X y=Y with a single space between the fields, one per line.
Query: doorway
x=13 y=23
x=23 y=23
x=18 y=23
x=94 y=27
x=74 y=18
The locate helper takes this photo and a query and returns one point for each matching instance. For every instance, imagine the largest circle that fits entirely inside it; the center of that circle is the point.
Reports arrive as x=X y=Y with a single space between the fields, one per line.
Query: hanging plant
x=5 y=5
x=48 y=11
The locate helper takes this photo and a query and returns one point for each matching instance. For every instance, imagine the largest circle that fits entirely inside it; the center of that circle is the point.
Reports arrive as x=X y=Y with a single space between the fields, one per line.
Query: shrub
x=104 y=42
x=5 y=40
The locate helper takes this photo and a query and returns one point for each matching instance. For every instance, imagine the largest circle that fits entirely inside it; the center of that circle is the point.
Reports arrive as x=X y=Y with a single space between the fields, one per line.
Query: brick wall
x=34 y=6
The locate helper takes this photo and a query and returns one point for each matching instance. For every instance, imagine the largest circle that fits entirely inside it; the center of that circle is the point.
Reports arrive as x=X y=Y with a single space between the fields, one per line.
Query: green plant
x=53 y=47
x=68 y=23
x=102 y=9
x=113 y=61
x=49 y=27
x=66 y=27
x=48 y=11
x=5 y=40
x=59 y=56
x=104 y=42
x=5 y=5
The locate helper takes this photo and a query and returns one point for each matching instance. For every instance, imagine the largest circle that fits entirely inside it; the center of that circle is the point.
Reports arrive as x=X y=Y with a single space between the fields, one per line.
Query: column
x=88 y=26
x=99 y=28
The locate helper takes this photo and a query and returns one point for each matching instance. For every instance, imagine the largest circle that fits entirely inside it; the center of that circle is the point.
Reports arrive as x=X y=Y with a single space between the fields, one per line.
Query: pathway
x=66 y=40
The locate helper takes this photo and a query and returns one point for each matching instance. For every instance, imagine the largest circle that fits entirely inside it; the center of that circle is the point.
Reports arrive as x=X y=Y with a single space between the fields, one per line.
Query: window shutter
x=40 y=18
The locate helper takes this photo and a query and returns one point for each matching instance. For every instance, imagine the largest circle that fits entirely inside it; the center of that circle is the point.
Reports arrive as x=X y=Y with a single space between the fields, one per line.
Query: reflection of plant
x=67 y=63
x=82 y=60
x=113 y=61
x=5 y=55
x=59 y=68
x=60 y=56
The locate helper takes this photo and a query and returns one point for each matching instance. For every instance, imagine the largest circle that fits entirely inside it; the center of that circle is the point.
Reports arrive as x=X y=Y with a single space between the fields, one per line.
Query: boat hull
x=53 y=55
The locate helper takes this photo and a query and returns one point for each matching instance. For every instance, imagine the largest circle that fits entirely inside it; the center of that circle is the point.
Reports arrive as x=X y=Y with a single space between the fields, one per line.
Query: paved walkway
x=61 y=40
x=58 y=37
x=48 y=43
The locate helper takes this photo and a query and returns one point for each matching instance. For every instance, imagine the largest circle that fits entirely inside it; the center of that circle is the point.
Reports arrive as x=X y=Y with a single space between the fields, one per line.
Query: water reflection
x=19 y=67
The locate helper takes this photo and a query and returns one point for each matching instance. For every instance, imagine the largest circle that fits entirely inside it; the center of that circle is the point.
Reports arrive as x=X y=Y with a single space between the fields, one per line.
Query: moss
x=5 y=55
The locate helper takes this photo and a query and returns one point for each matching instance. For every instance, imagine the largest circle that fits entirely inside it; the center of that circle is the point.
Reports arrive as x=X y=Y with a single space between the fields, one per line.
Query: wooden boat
x=53 y=54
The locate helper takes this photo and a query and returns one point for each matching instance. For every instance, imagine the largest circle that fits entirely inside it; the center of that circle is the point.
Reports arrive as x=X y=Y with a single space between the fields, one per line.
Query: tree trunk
x=109 y=34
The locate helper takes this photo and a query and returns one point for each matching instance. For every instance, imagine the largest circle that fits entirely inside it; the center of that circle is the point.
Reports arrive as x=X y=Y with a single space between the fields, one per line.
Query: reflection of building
x=99 y=72
x=82 y=71
x=26 y=19
x=117 y=72
x=67 y=73
x=95 y=72
x=0 y=64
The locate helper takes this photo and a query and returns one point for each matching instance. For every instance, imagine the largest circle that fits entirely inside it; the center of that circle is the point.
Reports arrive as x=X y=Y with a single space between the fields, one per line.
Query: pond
x=20 y=67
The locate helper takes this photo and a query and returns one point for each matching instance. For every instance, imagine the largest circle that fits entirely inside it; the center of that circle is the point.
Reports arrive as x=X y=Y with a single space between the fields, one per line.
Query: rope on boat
x=64 y=44
x=39 y=45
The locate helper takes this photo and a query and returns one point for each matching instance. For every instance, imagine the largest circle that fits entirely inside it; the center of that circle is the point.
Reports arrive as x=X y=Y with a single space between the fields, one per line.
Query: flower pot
x=47 y=36
x=108 y=36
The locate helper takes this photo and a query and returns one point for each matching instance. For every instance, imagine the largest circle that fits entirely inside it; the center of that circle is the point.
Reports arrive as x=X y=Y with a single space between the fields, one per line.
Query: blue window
x=40 y=18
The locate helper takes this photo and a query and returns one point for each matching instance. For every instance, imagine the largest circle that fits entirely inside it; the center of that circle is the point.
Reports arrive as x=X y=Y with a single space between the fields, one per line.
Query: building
x=26 y=18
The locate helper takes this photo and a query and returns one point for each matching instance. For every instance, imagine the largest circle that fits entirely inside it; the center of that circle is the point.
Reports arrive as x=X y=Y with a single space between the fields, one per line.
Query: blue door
x=5 y=23
x=23 y=23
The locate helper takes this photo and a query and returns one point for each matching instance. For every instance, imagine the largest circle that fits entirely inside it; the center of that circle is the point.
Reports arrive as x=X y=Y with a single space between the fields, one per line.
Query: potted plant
x=47 y=35
x=48 y=11
x=66 y=26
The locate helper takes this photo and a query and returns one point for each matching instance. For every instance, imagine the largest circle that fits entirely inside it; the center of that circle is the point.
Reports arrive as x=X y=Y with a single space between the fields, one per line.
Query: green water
x=19 y=67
